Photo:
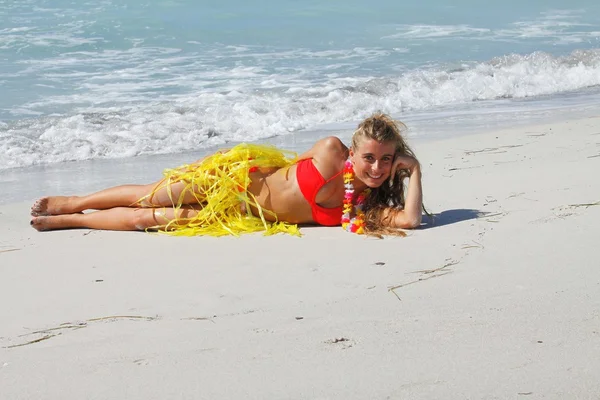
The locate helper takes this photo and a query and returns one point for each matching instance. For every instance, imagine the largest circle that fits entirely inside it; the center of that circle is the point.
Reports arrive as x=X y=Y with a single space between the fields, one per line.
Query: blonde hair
x=382 y=128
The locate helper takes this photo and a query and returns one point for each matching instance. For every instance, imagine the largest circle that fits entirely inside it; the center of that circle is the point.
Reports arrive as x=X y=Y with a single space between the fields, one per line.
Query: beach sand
x=498 y=299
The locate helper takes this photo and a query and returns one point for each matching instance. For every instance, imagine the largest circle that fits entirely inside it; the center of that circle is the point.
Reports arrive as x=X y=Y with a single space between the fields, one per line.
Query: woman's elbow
x=413 y=223
x=409 y=222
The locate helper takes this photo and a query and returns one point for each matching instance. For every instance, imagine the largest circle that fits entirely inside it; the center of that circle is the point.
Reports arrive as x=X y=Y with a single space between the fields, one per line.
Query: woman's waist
x=278 y=191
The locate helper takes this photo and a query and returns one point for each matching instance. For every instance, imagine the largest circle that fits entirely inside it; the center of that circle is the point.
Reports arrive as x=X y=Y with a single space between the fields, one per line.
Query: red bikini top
x=310 y=182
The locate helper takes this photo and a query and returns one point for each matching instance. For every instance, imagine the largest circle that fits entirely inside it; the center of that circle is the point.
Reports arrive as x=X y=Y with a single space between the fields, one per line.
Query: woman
x=250 y=188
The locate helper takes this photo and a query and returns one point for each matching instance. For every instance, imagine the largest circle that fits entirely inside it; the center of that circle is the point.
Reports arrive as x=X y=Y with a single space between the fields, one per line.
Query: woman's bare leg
x=116 y=219
x=152 y=195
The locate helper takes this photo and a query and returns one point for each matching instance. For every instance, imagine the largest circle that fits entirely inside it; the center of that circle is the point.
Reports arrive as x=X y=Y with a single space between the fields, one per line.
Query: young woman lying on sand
x=253 y=188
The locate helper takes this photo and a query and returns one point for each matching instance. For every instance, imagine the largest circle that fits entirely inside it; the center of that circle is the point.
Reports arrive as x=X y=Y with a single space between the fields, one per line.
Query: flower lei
x=354 y=224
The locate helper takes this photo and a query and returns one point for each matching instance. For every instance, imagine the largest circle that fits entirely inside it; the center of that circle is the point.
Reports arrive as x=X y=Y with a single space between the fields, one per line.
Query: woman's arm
x=410 y=216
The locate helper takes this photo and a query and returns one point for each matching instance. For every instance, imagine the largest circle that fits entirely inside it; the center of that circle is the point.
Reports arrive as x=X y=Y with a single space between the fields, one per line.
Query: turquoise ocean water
x=108 y=80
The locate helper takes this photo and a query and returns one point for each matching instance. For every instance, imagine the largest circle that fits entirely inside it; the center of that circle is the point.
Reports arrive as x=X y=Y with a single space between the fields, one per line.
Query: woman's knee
x=159 y=218
x=145 y=196
x=148 y=218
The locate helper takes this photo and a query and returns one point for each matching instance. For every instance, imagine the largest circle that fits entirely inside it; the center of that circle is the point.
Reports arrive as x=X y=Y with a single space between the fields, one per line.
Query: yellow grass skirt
x=219 y=183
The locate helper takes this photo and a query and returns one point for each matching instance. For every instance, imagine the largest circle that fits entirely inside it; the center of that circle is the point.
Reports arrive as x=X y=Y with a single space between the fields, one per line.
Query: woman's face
x=373 y=161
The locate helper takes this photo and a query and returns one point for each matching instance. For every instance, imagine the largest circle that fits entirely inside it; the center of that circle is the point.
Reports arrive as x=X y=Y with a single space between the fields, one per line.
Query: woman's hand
x=405 y=162
x=410 y=216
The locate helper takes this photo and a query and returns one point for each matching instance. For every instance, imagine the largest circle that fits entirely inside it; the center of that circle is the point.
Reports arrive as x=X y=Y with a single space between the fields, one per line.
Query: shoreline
x=499 y=298
x=423 y=126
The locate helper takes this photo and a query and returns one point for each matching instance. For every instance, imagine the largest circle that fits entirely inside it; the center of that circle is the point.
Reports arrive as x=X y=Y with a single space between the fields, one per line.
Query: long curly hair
x=390 y=195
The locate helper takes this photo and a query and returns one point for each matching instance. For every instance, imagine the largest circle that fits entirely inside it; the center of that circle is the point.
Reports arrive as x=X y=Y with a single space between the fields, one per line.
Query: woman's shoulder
x=332 y=147
x=329 y=156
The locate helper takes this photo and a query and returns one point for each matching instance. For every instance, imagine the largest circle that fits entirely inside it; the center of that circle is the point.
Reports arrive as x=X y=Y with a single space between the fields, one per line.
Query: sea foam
x=116 y=120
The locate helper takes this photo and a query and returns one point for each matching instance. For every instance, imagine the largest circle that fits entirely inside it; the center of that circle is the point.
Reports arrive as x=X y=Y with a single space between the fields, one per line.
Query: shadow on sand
x=450 y=217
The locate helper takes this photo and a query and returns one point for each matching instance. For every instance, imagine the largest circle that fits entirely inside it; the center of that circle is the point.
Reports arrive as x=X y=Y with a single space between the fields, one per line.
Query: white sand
x=515 y=312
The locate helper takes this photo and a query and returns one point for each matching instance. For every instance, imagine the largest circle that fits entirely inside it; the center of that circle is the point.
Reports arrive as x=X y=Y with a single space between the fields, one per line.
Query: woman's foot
x=53 y=205
x=46 y=223
x=52 y=222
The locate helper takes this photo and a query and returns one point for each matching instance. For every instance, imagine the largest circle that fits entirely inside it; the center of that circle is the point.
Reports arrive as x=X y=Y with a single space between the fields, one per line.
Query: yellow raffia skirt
x=219 y=183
